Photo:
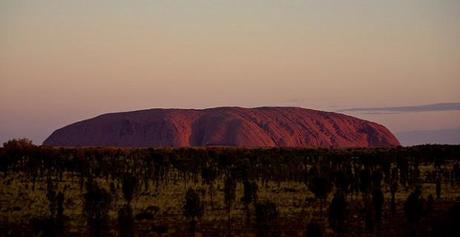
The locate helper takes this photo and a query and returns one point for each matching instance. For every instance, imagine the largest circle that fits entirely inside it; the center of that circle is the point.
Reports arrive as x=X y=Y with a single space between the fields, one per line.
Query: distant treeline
x=270 y=163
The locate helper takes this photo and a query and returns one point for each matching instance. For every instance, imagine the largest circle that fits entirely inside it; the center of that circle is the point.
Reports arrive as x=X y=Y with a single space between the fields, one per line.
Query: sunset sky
x=63 y=61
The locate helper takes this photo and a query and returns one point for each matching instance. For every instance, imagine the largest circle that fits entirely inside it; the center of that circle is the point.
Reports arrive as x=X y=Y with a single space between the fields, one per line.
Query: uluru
x=224 y=126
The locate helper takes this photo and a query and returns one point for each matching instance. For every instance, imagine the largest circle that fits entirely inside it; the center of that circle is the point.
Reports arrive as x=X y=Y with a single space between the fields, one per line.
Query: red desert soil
x=224 y=126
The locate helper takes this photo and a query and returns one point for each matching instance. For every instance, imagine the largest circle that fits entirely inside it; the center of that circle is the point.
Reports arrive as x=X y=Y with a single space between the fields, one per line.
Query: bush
x=192 y=206
x=266 y=212
x=96 y=207
x=129 y=186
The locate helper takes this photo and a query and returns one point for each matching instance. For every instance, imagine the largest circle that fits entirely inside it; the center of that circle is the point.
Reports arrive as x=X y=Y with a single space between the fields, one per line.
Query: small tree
x=60 y=205
x=18 y=144
x=129 y=186
x=369 y=213
x=16 y=150
x=229 y=192
x=413 y=206
x=320 y=186
x=125 y=214
x=337 y=212
x=229 y=196
x=438 y=187
x=96 y=207
x=126 y=221
x=365 y=181
x=313 y=230
x=209 y=175
x=393 y=190
x=266 y=213
x=51 y=196
x=193 y=208
x=249 y=196
x=378 y=200
x=342 y=181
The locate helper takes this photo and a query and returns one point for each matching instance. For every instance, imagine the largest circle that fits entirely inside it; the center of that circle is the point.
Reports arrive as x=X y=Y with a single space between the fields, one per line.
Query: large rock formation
x=224 y=126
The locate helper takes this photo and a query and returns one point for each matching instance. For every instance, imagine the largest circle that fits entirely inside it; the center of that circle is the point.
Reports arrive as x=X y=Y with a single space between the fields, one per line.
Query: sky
x=62 y=61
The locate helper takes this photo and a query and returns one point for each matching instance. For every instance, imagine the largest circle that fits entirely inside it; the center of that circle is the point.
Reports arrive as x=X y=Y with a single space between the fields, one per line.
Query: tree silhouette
x=266 y=213
x=378 y=200
x=320 y=186
x=126 y=221
x=337 y=212
x=96 y=206
x=193 y=209
x=19 y=144
x=369 y=213
x=209 y=175
x=438 y=187
x=393 y=190
x=229 y=197
x=365 y=181
x=249 y=196
x=60 y=205
x=313 y=230
x=413 y=206
x=51 y=196
x=129 y=186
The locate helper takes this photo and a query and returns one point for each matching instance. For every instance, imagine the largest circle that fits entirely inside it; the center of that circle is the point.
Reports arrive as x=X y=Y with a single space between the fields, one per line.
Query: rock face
x=224 y=126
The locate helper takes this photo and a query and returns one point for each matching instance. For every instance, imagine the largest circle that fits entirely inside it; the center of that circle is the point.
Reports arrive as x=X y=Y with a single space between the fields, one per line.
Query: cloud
x=402 y=109
x=379 y=112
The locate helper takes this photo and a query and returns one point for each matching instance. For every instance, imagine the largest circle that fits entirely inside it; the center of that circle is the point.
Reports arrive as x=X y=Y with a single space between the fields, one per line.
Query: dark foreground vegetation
x=403 y=191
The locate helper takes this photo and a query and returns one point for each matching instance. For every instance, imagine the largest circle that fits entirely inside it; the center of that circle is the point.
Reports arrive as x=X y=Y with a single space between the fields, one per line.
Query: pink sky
x=64 y=61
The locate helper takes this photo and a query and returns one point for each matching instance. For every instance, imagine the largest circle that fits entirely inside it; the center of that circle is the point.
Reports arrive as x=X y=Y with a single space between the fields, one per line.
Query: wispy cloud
x=402 y=109
x=379 y=112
